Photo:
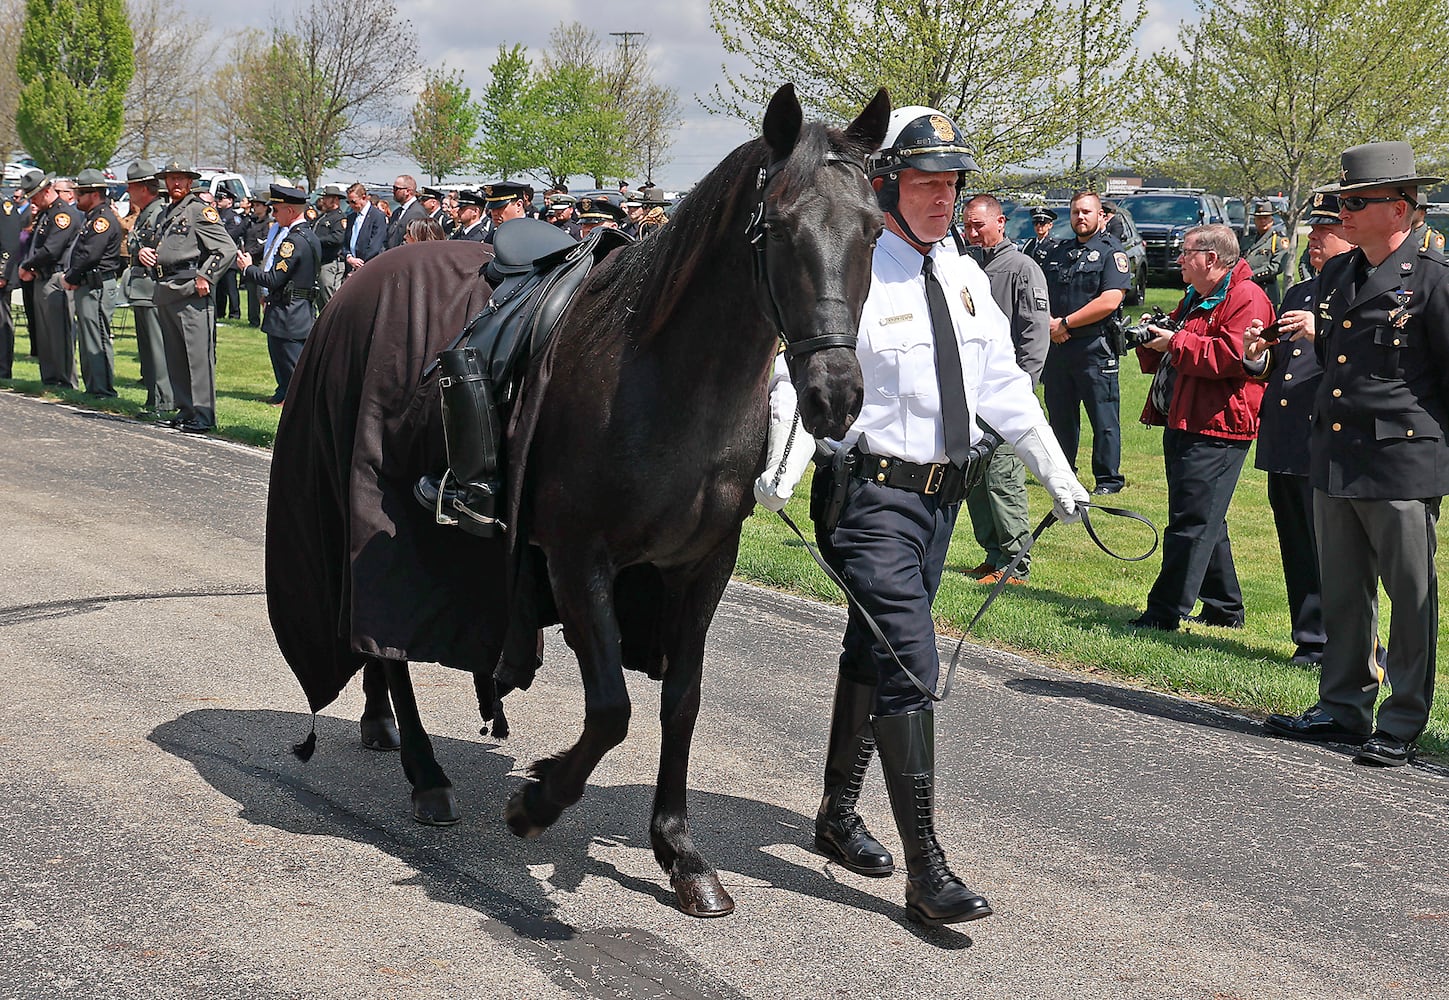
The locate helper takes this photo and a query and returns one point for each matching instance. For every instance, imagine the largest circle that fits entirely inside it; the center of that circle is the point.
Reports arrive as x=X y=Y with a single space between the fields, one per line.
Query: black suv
x=1164 y=216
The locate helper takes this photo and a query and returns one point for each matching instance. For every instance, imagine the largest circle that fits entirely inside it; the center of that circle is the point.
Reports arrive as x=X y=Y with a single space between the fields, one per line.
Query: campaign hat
x=334 y=191
x=1323 y=209
x=33 y=180
x=1379 y=164
x=91 y=179
x=1263 y=207
x=140 y=170
x=177 y=167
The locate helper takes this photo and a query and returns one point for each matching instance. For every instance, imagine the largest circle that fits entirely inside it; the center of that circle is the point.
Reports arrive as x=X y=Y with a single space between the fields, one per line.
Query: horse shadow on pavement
x=348 y=791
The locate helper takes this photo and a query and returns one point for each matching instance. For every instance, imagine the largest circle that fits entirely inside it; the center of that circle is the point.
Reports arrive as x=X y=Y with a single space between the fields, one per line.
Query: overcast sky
x=683 y=48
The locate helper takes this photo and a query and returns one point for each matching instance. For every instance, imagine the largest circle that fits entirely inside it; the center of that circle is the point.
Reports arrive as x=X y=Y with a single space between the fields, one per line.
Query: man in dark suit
x=366 y=232
x=471 y=225
x=1380 y=457
x=405 y=193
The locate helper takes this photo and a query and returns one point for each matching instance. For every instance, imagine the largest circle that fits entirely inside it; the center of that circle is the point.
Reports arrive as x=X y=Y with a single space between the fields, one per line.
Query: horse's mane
x=649 y=280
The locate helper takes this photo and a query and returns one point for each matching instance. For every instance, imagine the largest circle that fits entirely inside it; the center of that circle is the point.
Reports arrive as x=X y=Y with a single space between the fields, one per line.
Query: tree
x=12 y=22
x=315 y=99
x=1267 y=93
x=444 y=124
x=576 y=128
x=651 y=110
x=74 y=65
x=170 y=54
x=966 y=58
x=217 y=132
x=505 y=116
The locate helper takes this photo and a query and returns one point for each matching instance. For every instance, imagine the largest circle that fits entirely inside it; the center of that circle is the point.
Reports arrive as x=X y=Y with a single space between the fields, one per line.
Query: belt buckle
x=934 y=478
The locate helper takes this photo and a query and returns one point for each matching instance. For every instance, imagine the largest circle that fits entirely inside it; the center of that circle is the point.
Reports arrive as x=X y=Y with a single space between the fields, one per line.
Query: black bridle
x=757 y=232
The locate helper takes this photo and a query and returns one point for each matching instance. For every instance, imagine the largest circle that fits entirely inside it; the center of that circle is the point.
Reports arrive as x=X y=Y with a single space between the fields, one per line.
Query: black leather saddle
x=535 y=272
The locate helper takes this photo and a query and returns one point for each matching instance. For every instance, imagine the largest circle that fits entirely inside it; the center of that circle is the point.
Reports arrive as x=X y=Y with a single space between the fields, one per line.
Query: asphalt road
x=158 y=838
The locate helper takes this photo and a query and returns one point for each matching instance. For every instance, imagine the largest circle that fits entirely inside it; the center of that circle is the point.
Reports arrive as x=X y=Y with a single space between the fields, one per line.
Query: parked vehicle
x=1163 y=216
x=216 y=180
x=1019 y=230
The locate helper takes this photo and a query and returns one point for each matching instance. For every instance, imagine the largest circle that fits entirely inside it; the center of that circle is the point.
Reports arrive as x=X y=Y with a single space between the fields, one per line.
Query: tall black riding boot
x=840 y=833
x=469 y=493
x=934 y=895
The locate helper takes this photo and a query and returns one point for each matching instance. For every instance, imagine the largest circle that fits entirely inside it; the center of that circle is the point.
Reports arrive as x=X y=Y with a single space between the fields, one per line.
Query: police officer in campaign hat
x=51 y=235
x=139 y=282
x=193 y=250
x=1271 y=255
x=1087 y=279
x=505 y=202
x=287 y=276
x=1041 y=244
x=472 y=221
x=330 y=228
x=936 y=353
x=90 y=277
x=1379 y=457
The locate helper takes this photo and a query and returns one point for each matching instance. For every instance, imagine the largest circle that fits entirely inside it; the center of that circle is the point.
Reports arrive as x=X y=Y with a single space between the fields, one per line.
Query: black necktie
x=955 y=416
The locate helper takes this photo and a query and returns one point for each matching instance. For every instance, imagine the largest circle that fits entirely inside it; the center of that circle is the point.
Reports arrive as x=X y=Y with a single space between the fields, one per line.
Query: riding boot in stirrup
x=468 y=494
x=840 y=833
x=934 y=895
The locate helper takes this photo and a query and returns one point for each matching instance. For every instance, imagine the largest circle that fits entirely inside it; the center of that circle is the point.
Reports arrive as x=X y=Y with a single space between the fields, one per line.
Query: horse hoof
x=436 y=806
x=380 y=733
x=515 y=814
x=702 y=895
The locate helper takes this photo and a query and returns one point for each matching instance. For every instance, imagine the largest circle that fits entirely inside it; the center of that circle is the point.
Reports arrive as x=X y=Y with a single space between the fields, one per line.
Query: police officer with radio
x=1087 y=279
x=90 y=277
x=936 y=353
x=288 y=276
x=139 y=283
x=1271 y=256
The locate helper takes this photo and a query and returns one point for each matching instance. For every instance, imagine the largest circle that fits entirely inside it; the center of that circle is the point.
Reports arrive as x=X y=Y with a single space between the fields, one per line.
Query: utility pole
x=626 y=40
x=1081 y=84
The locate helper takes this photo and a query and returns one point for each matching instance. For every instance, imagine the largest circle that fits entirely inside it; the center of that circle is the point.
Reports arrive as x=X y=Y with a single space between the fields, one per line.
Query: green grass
x=1073 y=613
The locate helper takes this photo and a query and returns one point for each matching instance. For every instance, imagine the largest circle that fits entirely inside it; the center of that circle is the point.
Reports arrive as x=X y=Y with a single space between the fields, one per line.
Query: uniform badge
x=1094 y=256
x=968 y=302
x=209 y=214
x=62 y=221
x=286 y=249
x=9 y=208
x=945 y=131
x=101 y=224
x=311 y=215
x=1121 y=259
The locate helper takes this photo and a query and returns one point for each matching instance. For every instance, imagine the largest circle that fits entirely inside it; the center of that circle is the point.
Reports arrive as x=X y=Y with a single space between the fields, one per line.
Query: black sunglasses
x=1354 y=203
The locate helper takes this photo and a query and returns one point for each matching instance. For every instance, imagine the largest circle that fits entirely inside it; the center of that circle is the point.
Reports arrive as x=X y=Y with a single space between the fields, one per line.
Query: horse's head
x=815 y=228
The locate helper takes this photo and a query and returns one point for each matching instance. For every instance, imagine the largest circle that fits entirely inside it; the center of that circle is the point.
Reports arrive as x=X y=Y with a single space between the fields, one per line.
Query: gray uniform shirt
x=1019 y=288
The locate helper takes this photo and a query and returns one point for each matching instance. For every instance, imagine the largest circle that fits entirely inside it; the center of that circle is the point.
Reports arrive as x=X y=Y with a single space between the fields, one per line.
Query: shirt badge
x=1093 y=256
x=968 y=302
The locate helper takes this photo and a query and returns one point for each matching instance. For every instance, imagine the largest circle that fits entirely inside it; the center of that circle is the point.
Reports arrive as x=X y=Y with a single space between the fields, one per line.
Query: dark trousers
x=890 y=549
x=254 y=304
x=228 y=298
x=284 y=355
x=1365 y=541
x=7 y=336
x=1291 y=498
x=1083 y=373
x=1197 y=556
x=27 y=299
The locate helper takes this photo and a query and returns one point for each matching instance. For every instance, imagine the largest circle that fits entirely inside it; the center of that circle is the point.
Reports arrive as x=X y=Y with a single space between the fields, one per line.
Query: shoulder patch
x=101 y=224
x=1121 y=261
x=209 y=214
x=311 y=214
x=62 y=220
x=286 y=249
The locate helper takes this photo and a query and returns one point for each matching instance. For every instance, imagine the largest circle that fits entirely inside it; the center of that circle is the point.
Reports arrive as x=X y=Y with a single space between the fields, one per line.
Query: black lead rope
x=1006 y=575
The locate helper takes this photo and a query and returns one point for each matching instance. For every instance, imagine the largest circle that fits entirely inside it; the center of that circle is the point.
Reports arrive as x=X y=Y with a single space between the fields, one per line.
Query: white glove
x=783 y=470
x=1039 y=451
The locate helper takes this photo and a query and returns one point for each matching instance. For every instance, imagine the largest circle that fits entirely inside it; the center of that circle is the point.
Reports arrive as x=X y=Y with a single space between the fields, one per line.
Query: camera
x=1138 y=335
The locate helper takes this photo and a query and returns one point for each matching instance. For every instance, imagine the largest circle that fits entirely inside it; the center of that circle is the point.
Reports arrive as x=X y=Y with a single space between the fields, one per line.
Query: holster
x=473 y=434
x=842 y=471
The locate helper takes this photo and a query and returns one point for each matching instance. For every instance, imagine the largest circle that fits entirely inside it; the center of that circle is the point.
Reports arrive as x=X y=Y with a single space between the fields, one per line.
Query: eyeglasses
x=1188 y=250
x=1354 y=203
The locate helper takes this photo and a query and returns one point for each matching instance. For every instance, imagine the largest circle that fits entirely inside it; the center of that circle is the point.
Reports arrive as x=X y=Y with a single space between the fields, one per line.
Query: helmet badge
x=944 y=129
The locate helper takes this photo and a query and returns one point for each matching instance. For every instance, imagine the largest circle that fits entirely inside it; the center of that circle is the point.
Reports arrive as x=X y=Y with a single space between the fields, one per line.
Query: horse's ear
x=869 y=129
x=783 y=119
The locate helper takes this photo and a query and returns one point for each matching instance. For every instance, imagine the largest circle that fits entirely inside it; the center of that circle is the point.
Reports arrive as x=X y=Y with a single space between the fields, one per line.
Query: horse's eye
x=776 y=229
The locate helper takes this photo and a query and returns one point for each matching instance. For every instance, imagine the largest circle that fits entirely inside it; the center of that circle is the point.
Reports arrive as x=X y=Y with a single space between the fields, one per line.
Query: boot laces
x=936 y=872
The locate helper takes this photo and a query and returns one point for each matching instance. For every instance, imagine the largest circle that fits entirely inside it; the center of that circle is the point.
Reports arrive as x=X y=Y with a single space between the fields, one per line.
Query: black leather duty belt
x=942 y=479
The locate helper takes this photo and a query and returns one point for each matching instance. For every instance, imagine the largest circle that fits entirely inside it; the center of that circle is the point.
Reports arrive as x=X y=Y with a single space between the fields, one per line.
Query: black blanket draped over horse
x=631 y=456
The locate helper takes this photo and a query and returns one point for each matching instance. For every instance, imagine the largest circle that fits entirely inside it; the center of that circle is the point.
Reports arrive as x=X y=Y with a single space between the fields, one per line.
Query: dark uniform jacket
x=291 y=284
x=478 y=234
x=1077 y=272
x=1293 y=374
x=96 y=255
x=1381 y=416
x=11 y=222
x=254 y=241
x=191 y=243
x=1037 y=249
x=54 y=230
x=236 y=225
x=331 y=231
x=145 y=232
x=571 y=227
x=442 y=218
x=1270 y=257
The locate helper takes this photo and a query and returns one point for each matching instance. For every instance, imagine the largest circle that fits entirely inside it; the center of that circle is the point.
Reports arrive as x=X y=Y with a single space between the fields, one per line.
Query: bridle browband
x=756 y=232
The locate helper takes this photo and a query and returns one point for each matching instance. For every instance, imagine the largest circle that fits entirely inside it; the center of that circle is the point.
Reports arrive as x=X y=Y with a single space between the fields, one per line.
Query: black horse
x=632 y=452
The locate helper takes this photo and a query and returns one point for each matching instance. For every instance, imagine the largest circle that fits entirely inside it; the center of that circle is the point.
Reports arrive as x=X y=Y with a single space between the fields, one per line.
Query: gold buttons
x=1409 y=433
x=1338 y=427
x=1288 y=377
x=1396 y=341
x=885 y=463
x=1347 y=325
x=1297 y=351
x=880 y=478
x=1282 y=402
x=1343 y=359
x=1337 y=393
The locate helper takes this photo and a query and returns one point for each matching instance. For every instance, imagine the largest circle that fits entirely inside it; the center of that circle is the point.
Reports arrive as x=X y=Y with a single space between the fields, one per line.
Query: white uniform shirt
x=901 y=413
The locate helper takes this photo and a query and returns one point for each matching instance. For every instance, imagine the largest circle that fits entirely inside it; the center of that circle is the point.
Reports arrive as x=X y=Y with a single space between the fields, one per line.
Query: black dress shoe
x=1216 y=621
x=1385 y=751
x=190 y=428
x=1315 y=725
x=1159 y=624
x=1102 y=490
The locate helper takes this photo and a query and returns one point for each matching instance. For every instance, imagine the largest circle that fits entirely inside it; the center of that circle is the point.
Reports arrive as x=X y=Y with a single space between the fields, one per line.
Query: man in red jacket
x=1212 y=419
